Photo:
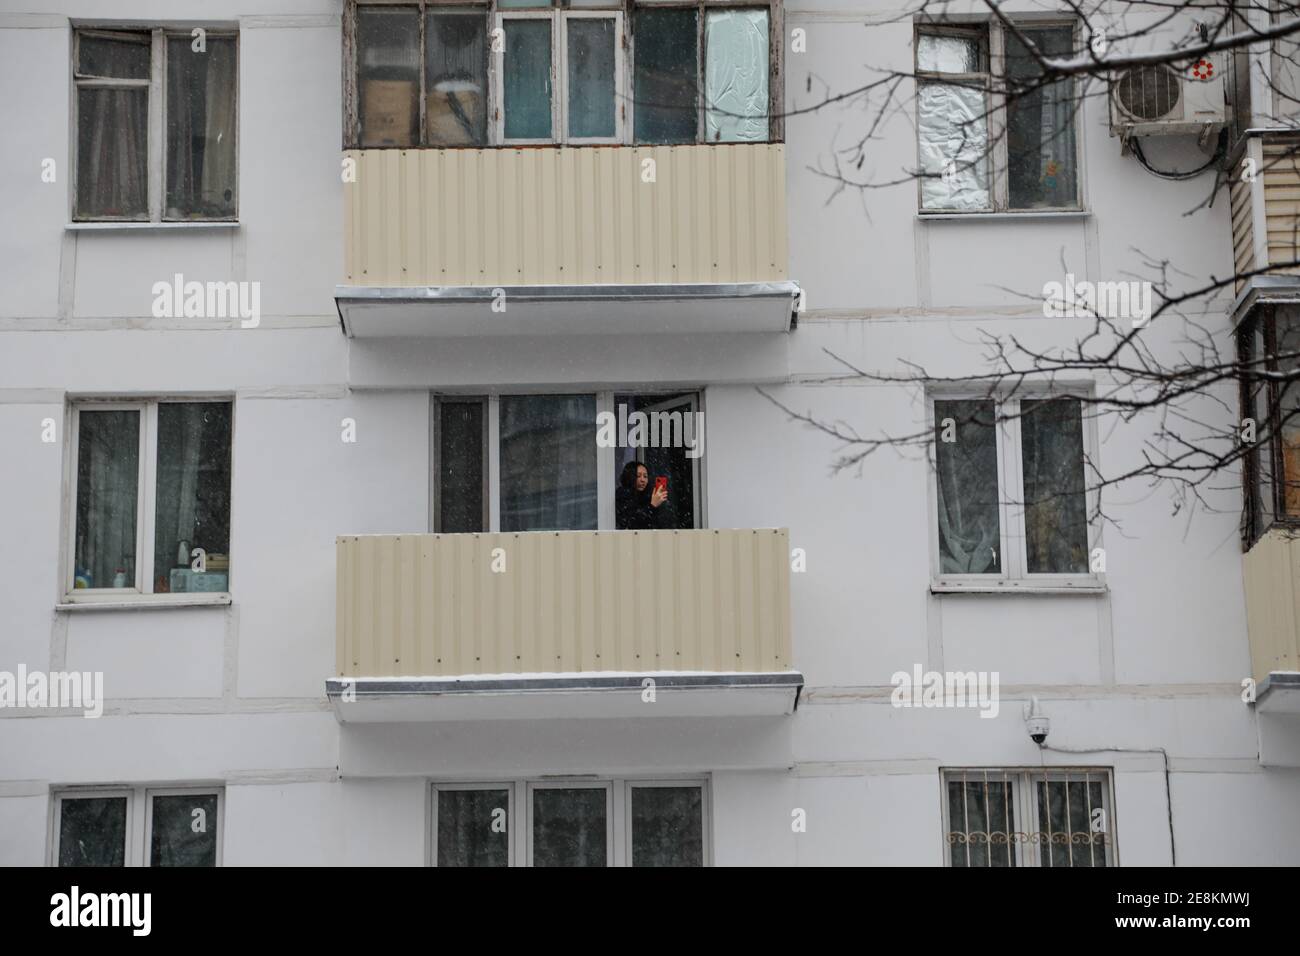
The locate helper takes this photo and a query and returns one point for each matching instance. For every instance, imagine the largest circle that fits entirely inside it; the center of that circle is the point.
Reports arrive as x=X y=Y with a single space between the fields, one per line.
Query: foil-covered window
x=735 y=76
x=952 y=131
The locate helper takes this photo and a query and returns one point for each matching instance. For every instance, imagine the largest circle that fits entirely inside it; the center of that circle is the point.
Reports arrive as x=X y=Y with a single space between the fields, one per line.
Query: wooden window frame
x=1257 y=521
x=558 y=11
x=993 y=79
x=156 y=130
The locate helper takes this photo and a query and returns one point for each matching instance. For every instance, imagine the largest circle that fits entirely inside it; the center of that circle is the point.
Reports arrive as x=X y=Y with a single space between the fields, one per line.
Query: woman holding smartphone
x=637 y=507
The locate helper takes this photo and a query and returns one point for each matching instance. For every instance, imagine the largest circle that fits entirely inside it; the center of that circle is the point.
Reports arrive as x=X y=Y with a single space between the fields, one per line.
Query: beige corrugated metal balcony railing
x=566 y=216
x=1272 y=573
x=1266 y=206
x=430 y=605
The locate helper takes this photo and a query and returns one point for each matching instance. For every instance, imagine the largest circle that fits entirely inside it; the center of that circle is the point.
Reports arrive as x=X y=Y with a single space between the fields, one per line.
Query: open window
x=547 y=462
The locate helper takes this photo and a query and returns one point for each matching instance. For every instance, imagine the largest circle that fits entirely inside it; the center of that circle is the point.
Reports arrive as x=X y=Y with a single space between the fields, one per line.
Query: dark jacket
x=635 y=513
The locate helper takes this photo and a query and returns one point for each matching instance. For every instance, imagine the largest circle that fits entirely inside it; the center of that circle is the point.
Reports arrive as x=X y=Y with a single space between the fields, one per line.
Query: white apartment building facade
x=334 y=337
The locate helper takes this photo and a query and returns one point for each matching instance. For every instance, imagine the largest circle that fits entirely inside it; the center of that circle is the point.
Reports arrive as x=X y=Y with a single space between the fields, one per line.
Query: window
x=989 y=138
x=566 y=462
x=571 y=823
x=181 y=827
x=151 y=500
x=511 y=72
x=1011 y=504
x=1269 y=341
x=155 y=125
x=1000 y=818
x=561 y=74
x=422 y=75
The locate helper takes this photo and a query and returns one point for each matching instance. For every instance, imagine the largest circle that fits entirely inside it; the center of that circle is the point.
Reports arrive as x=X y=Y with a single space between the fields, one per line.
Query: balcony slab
x=563 y=696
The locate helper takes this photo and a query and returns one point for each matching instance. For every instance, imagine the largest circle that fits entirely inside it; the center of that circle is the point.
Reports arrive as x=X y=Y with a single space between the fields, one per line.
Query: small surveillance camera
x=1036 y=722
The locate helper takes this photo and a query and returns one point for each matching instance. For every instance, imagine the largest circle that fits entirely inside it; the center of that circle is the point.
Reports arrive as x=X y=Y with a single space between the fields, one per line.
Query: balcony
x=1272 y=577
x=566 y=240
x=1272 y=574
x=563 y=624
x=1264 y=210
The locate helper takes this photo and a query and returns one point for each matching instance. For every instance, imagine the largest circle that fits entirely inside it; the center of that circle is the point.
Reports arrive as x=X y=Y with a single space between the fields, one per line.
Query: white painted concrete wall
x=235 y=695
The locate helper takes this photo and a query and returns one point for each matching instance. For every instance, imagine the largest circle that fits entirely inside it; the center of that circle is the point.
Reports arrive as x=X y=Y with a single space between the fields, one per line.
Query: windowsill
x=145 y=602
x=1053 y=214
x=148 y=226
x=1018 y=587
x=547 y=144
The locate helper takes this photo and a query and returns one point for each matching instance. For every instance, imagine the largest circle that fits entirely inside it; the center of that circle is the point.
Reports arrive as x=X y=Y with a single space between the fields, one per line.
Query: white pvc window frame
x=139 y=816
x=618 y=811
x=496 y=787
x=558 y=19
x=156 y=130
x=146 y=497
x=606 y=481
x=1015 y=575
x=1024 y=800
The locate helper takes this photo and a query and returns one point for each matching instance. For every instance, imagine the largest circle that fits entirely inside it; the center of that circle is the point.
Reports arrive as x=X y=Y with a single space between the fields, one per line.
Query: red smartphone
x=661 y=483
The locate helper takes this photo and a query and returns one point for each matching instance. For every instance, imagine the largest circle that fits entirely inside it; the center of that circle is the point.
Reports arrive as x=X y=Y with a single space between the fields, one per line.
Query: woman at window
x=637 y=507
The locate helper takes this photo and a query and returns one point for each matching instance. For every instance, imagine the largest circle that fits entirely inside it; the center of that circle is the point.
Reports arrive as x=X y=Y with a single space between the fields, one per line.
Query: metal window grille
x=1047 y=817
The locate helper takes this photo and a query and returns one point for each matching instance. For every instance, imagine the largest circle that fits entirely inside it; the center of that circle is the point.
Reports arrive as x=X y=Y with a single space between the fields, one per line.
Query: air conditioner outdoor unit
x=1159 y=100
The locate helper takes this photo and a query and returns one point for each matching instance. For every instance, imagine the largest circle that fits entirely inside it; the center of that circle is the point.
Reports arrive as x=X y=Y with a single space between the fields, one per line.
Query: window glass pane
x=1065 y=822
x=591 y=76
x=1056 y=520
x=569 y=827
x=548 y=462
x=944 y=53
x=662 y=431
x=201 y=129
x=735 y=75
x=473 y=828
x=108 y=473
x=455 y=109
x=112 y=153
x=952 y=127
x=92 y=831
x=667 y=83
x=1255 y=401
x=981 y=820
x=1040 y=124
x=123 y=56
x=527 y=81
x=966 y=459
x=193 y=500
x=524 y=3
x=184 y=830
x=667 y=826
x=388 y=65
x=1288 y=359
x=460 y=467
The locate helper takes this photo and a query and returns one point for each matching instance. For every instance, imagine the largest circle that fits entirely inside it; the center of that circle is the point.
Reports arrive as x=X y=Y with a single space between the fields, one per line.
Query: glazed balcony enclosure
x=520 y=167
x=564 y=623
